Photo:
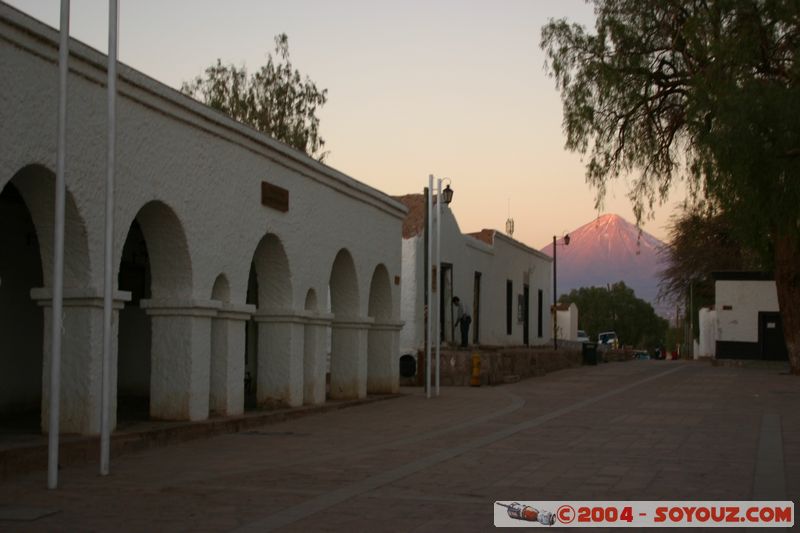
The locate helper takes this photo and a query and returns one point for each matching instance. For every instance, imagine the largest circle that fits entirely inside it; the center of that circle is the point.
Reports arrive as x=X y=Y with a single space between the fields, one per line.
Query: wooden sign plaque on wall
x=274 y=197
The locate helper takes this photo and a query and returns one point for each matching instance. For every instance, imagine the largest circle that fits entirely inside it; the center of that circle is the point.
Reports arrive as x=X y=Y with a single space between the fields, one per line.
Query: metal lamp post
x=555 y=287
x=446 y=196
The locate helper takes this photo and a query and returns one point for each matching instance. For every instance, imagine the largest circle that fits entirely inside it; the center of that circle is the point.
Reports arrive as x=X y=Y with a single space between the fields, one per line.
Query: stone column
x=81 y=358
x=280 y=357
x=383 y=357
x=315 y=357
x=227 y=359
x=349 y=357
x=180 y=357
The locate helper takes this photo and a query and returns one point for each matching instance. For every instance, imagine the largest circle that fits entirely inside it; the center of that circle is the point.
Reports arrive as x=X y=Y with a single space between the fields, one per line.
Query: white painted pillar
x=280 y=357
x=82 y=349
x=349 y=357
x=180 y=355
x=227 y=359
x=383 y=354
x=315 y=357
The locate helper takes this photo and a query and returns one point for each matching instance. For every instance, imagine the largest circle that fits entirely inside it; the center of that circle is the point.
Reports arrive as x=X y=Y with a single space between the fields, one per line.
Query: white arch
x=380 y=294
x=344 y=286
x=311 y=300
x=36 y=184
x=222 y=289
x=167 y=248
x=273 y=274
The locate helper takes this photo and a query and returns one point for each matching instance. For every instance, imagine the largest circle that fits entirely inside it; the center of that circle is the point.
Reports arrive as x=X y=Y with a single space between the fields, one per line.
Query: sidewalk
x=24 y=451
x=642 y=430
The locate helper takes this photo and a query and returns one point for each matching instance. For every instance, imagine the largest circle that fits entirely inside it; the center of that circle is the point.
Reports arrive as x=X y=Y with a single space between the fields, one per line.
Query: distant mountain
x=607 y=250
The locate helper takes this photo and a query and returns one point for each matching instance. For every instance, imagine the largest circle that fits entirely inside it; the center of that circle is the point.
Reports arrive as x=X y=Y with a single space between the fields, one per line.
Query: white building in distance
x=227 y=244
x=503 y=284
x=567 y=321
x=745 y=322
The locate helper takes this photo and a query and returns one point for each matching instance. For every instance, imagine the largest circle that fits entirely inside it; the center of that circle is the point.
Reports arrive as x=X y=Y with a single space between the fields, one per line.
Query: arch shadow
x=154 y=264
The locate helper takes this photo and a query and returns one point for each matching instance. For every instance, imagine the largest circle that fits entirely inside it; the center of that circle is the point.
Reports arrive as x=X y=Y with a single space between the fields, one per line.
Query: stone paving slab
x=643 y=430
x=26 y=452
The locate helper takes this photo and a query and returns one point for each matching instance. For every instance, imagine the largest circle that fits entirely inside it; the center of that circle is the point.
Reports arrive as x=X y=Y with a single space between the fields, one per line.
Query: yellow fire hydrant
x=475 y=380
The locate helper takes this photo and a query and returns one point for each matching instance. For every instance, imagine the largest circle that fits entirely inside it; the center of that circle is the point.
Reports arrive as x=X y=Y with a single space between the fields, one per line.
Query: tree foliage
x=702 y=240
x=276 y=99
x=616 y=308
x=702 y=90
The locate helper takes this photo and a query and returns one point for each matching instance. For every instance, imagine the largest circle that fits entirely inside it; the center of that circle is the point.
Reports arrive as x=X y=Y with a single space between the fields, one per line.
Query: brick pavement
x=637 y=431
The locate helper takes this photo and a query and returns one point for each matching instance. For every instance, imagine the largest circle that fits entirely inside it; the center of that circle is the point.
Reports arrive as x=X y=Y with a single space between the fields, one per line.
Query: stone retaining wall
x=499 y=366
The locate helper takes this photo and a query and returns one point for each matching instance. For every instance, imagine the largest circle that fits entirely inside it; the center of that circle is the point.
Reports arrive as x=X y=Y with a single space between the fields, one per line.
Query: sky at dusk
x=452 y=88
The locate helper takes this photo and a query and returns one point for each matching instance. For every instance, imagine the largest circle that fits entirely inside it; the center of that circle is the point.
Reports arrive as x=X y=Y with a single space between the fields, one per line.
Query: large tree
x=702 y=90
x=276 y=99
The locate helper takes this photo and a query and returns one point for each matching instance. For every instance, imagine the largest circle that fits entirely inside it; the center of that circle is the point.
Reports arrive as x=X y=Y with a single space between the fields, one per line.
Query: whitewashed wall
x=412 y=294
x=505 y=260
x=707 y=322
x=192 y=179
x=738 y=303
x=568 y=323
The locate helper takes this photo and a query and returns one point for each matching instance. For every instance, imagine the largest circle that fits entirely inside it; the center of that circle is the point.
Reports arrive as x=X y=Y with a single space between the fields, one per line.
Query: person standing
x=463 y=320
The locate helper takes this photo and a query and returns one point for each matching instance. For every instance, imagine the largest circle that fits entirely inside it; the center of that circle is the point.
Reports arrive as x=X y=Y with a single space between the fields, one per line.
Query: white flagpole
x=429 y=289
x=440 y=299
x=105 y=432
x=53 y=427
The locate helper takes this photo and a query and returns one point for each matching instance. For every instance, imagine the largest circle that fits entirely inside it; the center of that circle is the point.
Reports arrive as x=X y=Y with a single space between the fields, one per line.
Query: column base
x=81 y=358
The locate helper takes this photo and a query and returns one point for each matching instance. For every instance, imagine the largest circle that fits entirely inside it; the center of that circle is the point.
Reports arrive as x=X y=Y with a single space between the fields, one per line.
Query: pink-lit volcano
x=606 y=250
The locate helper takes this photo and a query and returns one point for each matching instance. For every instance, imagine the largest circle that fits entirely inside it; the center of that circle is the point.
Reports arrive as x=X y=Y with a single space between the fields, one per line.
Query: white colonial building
x=502 y=283
x=234 y=254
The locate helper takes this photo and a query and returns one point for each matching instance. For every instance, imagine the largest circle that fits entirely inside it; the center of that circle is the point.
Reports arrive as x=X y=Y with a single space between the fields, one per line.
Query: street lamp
x=447 y=193
x=555 y=285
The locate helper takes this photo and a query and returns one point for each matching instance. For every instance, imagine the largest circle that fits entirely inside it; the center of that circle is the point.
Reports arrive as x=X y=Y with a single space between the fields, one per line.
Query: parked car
x=608 y=338
x=582 y=336
x=641 y=354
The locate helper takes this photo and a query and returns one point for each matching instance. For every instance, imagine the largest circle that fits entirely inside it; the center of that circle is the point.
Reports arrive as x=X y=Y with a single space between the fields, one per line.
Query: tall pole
x=428 y=289
x=555 y=297
x=425 y=274
x=440 y=292
x=53 y=426
x=105 y=430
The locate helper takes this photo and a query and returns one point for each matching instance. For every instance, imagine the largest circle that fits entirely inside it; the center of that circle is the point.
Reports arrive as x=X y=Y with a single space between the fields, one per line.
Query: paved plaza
x=645 y=430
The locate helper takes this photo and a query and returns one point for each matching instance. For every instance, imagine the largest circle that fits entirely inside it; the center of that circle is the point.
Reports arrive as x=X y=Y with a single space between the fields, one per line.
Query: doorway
x=446 y=322
x=21 y=320
x=770 y=337
x=251 y=343
x=134 y=337
x=540 y=307
x=476 y=309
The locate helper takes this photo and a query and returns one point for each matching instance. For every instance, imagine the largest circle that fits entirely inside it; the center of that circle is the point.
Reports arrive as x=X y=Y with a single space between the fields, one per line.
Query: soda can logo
x=527 y=513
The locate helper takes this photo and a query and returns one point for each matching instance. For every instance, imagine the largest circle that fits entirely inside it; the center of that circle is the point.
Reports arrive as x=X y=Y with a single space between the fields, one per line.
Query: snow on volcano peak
x=607 y=250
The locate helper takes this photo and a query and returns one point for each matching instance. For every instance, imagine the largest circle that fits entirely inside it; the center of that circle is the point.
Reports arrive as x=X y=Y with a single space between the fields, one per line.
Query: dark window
x=476 y=310
x=509 y=305
x=539 y=316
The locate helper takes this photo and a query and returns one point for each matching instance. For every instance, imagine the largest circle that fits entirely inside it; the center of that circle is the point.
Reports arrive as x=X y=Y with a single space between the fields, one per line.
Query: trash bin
x=590 y=354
